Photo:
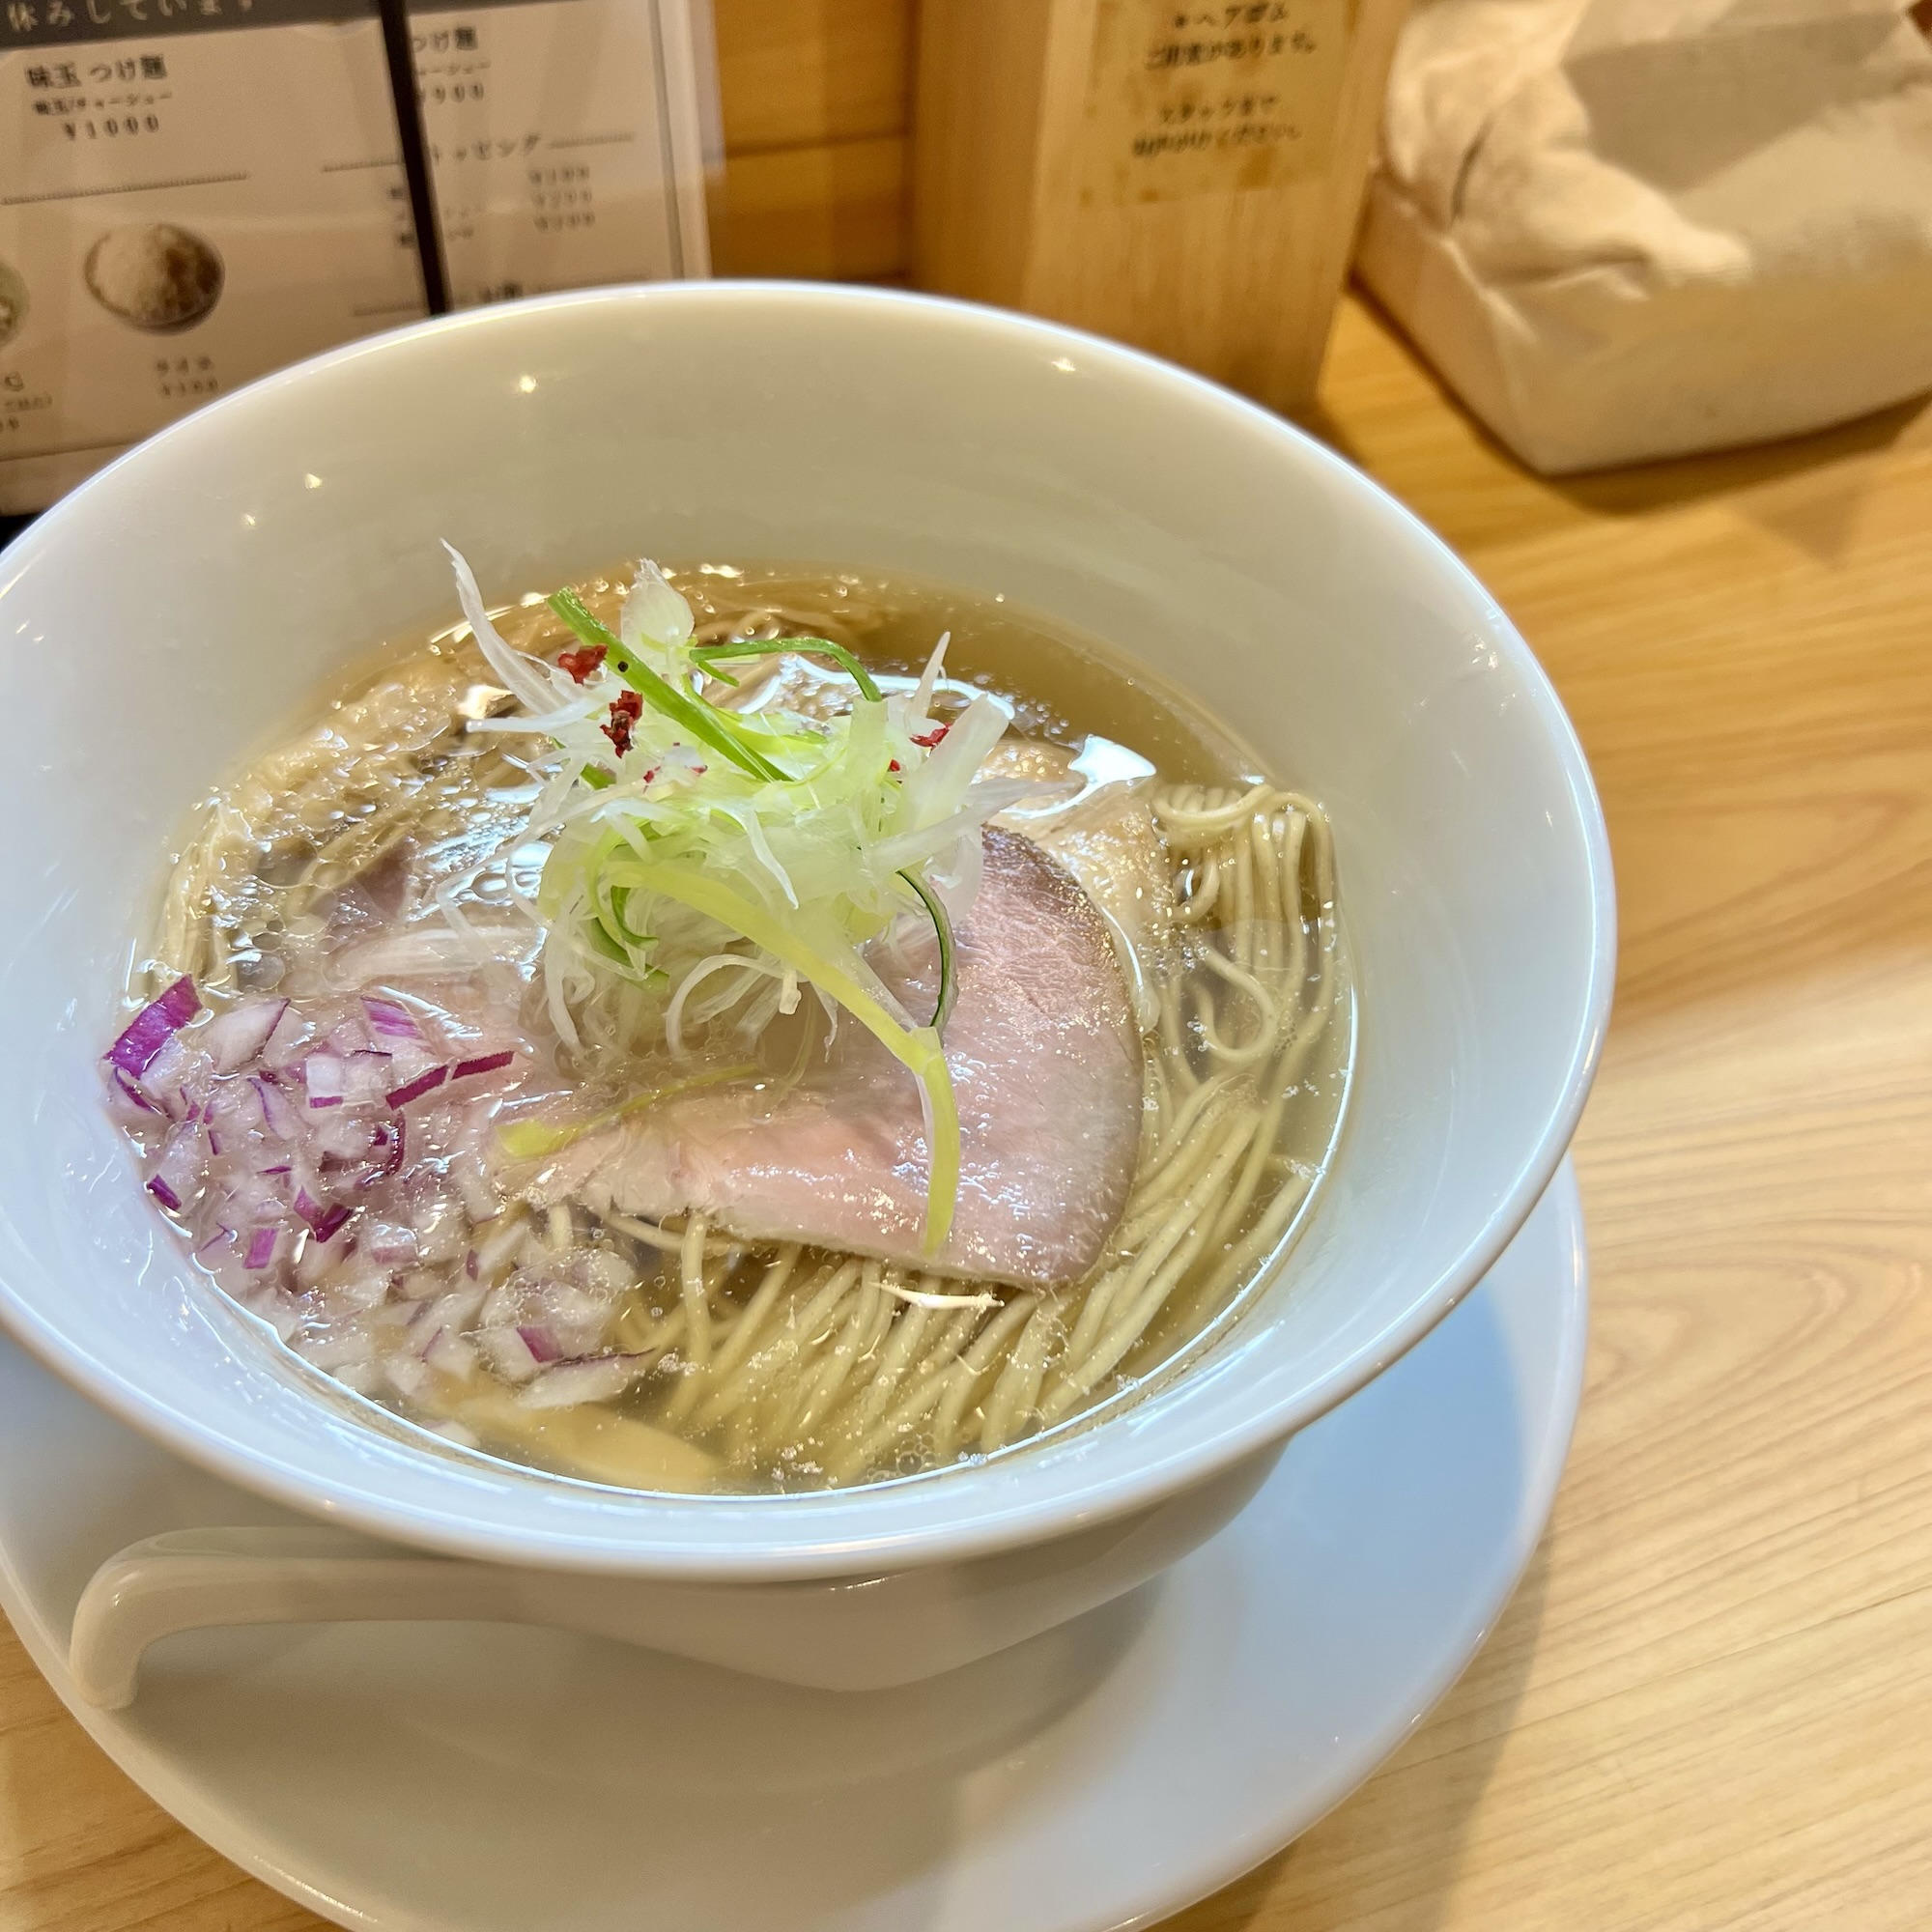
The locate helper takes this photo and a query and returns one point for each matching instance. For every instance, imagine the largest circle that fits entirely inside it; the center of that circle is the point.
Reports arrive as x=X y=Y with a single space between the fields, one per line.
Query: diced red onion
x=343 y=1139
x=576 y=1318
x=338 y=1351
x=473 y=1184
x=387 y=1140
x=290 y=1163
x=508 y=1353
x=284 y=1045
x=278 y=1109
x=323 y=1218
x=539 y=1342
x=321 y=1256
x=384 y=1242
x=361 y=1291
x=413 y=1057
x=276 y=1309
x=129 y=1090
x=497 y=1246
x=457 y=1308
x=452 y=1354
x=426 y=1083
x=154 y=1025
x=124 y=1113
x=237 y=1037
x=177 y=1075
x=441 y=1230
x=407 y=1376
x=238 y=1104
x=366 y=1078
x=181 y=1172
x=590 y=1379
x=487 y=1064
x=389 y=1019
x=348 y=1037
x=440 y=1244
x=322 y=1075
x=252 y=1199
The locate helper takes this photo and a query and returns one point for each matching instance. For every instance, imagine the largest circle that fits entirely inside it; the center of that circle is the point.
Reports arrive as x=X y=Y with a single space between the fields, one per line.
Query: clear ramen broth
x=666 y=1220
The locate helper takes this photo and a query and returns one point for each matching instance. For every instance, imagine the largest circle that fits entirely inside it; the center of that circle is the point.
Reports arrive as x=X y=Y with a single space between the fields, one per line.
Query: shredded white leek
x=684 y=831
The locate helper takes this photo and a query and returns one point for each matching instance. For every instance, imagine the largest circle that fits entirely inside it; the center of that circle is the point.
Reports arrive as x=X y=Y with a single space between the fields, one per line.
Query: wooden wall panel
x=798 y=72
x=816 y=99
x=834 y=211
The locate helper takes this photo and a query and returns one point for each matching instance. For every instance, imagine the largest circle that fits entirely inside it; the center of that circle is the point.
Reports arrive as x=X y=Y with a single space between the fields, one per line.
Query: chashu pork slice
x=1045 y=1057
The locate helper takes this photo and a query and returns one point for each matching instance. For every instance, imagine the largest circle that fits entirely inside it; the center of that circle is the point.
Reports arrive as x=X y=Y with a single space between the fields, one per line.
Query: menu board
x=194 y=192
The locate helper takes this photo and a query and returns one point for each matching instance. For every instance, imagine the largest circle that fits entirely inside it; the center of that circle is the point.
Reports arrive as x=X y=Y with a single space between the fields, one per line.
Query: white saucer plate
x=470 y=1777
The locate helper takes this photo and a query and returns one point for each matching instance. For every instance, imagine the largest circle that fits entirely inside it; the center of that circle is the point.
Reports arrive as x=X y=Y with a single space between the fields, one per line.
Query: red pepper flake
x=893 y=766
x=626 y=708
x=584 y=664
x=650 y=775
x=933 y=737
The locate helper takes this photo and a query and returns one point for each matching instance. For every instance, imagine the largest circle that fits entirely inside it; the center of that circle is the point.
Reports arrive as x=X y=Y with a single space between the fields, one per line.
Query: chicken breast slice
x=1046 y=1062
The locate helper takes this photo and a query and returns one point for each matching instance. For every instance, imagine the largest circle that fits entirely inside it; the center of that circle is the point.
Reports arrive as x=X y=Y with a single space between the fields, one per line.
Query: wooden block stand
x=1183 y=174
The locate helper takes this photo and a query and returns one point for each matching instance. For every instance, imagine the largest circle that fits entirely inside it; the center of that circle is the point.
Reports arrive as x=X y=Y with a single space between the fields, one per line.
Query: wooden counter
x=1710 y=1705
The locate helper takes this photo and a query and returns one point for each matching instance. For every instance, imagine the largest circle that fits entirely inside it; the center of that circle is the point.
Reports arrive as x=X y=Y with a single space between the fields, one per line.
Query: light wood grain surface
x=1710 y=1705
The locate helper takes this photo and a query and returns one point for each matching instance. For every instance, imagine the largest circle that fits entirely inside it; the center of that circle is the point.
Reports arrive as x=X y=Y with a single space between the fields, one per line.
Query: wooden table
x=1710 y=1702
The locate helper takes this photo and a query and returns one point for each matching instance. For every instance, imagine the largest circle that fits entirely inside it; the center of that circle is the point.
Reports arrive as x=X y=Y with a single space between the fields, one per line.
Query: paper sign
x=194 y=192
x=1186 y=97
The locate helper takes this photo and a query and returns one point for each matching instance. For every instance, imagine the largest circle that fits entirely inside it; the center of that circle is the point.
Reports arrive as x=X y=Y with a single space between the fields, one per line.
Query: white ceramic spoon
x=844 y=1633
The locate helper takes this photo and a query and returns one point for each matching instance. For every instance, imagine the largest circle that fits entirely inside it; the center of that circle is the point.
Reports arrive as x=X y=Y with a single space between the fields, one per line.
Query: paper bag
x=1625 y=229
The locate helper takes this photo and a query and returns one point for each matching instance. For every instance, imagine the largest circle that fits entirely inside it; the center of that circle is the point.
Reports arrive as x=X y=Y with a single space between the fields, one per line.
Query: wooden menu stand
x=1182 y=175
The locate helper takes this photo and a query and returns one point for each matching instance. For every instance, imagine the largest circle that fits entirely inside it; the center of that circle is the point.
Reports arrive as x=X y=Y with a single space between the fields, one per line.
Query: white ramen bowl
x=175 y=611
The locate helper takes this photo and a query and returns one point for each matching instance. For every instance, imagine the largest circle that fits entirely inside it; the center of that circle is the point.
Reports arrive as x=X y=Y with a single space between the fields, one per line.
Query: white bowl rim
x=953 y=1535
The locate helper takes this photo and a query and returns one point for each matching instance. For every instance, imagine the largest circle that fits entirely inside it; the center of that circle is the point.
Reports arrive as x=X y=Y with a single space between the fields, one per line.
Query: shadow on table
x=1818 y=512
x=1389 y=1856
x=1685 y=480
x=1673 y=482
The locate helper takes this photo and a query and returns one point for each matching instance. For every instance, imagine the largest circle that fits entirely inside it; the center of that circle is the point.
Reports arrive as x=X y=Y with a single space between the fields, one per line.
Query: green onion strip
x=920 y=1049
x=706 y=654
x=942 y=926
x=704 y=722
